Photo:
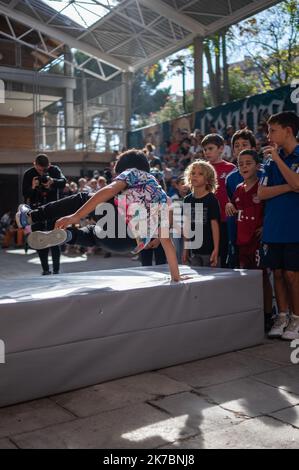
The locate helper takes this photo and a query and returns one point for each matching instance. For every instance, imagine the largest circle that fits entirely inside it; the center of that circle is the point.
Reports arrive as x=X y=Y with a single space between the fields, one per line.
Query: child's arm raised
x=267 y=192
x=103 y=195
x=289 y=175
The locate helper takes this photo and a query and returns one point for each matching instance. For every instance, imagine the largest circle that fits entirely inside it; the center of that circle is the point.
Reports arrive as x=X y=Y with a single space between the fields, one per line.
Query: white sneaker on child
x=280 y=324
x=41 y=240
x=292 y=330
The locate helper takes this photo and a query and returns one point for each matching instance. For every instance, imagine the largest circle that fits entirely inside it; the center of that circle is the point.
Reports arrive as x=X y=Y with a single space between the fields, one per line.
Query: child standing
x=250 y=209
x=201 y=177
x=213 y=145
x=279 y=187
x=241 y=140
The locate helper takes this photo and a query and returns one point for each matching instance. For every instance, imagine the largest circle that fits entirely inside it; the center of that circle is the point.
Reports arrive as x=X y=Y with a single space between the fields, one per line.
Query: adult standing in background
x=44 y=183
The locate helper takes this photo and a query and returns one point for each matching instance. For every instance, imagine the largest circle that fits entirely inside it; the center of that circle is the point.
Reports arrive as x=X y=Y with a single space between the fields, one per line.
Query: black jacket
x=40 y=195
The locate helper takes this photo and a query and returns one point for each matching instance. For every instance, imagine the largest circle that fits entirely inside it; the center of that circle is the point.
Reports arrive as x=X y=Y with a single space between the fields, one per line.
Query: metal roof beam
x=174 y=15
x=56 y=56
x=241 y=14
x=64 y=38
x=13 y=3
x=13 y=74
x=153 y=58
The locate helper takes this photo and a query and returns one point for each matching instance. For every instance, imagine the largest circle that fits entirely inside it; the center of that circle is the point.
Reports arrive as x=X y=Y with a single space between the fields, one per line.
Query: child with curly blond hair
x=201 y=177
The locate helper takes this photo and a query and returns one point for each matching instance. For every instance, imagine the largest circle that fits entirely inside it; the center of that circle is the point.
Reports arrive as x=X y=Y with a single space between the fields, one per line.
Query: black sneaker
x=46 y=273
x=268 y=322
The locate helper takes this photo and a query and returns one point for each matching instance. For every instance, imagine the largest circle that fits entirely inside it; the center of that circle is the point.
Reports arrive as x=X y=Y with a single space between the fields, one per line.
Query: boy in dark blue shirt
x=279 y=186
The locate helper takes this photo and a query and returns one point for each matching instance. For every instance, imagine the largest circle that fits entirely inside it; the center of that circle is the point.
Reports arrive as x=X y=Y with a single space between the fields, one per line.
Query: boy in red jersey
x=250 y=213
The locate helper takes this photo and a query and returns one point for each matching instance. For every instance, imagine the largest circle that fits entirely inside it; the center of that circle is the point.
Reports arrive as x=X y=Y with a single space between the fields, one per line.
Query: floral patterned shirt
x=141 y=203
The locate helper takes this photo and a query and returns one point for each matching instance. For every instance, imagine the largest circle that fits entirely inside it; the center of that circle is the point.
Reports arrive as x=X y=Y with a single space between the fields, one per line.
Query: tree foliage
x=146 y=96
x=241 y=84
x=271 y=42
x=173 y=108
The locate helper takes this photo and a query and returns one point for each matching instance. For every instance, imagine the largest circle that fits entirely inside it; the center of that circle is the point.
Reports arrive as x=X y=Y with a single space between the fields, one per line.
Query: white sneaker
x=292 y=331
x=280 y=324
x=41 y=240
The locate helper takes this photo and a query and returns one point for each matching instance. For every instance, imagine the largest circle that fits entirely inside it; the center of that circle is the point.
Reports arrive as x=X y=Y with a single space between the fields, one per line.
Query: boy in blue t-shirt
x=279 y=186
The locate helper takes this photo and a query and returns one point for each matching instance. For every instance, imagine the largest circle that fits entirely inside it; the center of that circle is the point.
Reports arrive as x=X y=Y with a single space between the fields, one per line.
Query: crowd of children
x=259 y=213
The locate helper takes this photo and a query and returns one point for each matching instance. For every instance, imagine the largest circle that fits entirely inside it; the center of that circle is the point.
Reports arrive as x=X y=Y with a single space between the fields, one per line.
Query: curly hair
x=208 y=172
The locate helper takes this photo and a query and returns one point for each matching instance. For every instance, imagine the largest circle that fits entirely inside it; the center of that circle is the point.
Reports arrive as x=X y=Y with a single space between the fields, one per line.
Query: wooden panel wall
x=17 y=133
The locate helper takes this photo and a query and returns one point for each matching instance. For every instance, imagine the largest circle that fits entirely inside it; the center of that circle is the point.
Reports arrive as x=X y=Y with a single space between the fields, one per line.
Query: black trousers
x=146 y=256
x=44 y=218
x=85 y=236
x=56 y=209
x=44 y=254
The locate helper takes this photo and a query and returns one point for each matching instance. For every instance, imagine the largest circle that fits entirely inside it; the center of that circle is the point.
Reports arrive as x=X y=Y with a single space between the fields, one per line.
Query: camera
x=43 y=179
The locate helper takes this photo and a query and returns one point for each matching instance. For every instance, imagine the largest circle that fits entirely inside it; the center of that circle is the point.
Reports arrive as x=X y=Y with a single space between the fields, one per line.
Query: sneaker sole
x=274 y=336
x=41 y=240
x=285 y=338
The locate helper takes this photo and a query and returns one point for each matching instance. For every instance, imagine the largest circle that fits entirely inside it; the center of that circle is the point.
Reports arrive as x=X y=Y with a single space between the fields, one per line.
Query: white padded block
x=75 y=330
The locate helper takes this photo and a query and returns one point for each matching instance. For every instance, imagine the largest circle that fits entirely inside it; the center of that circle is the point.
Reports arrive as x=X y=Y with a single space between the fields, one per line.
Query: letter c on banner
x=295 y=93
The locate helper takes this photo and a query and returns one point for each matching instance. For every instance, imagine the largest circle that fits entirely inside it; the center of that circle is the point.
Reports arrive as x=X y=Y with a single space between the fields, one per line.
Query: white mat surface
x=74 y=330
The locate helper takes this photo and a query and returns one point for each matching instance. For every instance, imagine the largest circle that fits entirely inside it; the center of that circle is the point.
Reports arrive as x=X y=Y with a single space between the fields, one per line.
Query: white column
x=127 y=81
x=69 y=102
x=198 y=74
x=84 y=114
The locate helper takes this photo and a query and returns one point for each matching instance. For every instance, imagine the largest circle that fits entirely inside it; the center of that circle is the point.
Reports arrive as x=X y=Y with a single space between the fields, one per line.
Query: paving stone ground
x=244 y=399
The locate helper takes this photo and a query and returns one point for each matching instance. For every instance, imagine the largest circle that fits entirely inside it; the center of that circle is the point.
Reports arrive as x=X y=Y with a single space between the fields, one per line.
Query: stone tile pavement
x=244 y=399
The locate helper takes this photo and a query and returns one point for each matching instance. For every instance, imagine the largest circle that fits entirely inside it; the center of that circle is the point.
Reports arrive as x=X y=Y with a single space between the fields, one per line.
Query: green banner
x=251 y=110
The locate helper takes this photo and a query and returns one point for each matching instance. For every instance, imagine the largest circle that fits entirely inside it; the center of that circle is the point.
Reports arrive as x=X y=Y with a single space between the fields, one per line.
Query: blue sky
x=176 y=81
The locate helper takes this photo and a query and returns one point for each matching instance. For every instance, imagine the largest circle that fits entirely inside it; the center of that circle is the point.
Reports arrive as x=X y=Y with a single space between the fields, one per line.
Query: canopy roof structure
x=118 y=35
